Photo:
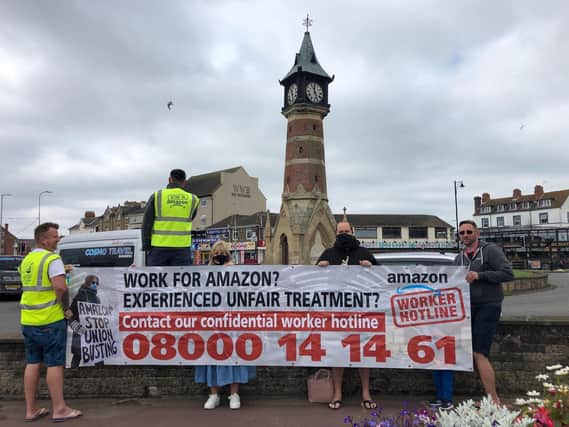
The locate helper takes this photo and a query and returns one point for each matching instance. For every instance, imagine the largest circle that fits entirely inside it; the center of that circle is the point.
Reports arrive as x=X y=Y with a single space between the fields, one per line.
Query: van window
x=10 y=263
x=99 y=256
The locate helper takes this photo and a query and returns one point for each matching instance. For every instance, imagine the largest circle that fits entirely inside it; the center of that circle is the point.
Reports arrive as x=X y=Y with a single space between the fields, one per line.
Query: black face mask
x=344 y=240
x=220 y=259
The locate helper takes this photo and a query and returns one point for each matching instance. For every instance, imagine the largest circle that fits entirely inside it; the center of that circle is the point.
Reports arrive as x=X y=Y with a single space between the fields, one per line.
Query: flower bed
x=551 y=409
x=467 y=414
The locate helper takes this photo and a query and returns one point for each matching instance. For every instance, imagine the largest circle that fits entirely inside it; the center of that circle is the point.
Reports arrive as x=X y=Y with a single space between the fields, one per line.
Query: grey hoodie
x=492 y=267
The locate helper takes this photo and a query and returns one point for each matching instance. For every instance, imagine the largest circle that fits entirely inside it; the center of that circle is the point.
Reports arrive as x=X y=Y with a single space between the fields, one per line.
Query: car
x=415 y=258
x=10 y=283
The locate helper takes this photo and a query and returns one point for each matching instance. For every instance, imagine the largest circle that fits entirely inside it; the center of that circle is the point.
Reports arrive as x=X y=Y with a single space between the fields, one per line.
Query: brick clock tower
x=305 y=226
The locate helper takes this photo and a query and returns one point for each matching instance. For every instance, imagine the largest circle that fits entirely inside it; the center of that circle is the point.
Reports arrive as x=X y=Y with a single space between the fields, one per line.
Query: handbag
x=320 y=386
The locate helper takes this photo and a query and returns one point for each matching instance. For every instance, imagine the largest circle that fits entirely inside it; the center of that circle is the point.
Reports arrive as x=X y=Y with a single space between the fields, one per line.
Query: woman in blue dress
x=218 y=376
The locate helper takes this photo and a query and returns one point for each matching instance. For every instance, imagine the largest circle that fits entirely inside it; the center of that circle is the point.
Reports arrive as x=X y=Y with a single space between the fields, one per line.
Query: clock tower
x=305 y=226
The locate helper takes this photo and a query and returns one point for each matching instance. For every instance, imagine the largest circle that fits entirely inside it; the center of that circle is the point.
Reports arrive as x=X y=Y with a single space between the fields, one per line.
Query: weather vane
x=307 y=22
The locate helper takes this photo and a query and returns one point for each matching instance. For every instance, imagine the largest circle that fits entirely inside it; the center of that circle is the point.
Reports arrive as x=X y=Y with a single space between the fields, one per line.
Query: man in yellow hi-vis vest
x=44 y=300
x=167 y=223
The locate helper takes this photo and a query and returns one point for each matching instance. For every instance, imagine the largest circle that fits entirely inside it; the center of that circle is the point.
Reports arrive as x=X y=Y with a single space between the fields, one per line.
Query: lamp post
x=39 y=204
x=456 y=185
x=2 y=221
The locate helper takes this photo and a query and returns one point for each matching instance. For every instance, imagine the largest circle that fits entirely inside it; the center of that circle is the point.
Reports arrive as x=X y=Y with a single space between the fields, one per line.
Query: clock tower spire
x=305 y=106
x=305 y=225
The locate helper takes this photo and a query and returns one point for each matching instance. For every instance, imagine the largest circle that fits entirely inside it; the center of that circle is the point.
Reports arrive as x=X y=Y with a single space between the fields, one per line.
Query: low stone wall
x=521 y=351
x=526 y=284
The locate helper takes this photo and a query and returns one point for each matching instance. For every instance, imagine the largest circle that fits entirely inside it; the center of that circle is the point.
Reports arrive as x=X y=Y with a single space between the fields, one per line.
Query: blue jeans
x=46 y=343
x=164 y=257
x=444 y=384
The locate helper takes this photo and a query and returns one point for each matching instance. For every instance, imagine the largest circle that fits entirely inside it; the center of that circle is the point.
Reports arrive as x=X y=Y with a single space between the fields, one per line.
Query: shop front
x=244 y=252
x=203 y=240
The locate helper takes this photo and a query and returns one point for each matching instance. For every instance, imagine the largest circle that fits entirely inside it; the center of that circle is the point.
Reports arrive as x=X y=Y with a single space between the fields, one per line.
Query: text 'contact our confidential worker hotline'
x=253 y=321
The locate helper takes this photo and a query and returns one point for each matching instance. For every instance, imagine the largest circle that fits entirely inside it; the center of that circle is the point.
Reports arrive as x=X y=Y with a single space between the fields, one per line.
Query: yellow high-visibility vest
x=173 y=208
x=39 y=302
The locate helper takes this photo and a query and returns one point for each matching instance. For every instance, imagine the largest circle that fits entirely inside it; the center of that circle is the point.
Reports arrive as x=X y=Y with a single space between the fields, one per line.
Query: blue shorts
x=46 y=343
x=484 y=318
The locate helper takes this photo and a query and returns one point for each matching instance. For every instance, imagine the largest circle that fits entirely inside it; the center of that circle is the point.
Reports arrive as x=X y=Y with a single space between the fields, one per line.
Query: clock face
x=314 y=92
x=292 y=93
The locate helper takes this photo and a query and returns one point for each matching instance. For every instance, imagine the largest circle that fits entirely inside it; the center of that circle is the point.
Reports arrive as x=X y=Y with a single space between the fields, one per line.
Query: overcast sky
x=425 y=93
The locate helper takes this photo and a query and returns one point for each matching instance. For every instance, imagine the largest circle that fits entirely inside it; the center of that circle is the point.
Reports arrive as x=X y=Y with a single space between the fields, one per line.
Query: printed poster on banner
x=92 y=337
x=351 y=316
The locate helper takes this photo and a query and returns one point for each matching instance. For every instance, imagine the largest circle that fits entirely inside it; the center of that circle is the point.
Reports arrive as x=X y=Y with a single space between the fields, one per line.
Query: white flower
x=561 y=372
x=548 y=385
x=542 y=377
x=533 y=393
x=489 y=414
x=536 y=401
x=553 y=367
x=423 y=418
x=520 y=402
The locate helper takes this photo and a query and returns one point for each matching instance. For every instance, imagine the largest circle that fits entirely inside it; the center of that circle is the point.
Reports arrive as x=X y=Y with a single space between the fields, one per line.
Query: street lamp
x=2 y=221
x=39 y=204
x=456 y=185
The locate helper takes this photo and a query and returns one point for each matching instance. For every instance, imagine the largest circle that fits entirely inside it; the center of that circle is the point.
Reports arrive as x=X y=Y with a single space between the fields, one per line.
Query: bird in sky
x=170 y=105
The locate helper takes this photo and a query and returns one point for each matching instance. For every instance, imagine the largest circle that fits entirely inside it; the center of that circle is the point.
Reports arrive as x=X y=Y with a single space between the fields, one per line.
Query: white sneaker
x=212 y=402
x=234 y=401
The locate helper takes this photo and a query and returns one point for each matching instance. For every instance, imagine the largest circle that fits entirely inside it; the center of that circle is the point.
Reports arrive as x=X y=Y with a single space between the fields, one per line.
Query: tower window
x=313 y=127
x=300 y=149
x=315 y=178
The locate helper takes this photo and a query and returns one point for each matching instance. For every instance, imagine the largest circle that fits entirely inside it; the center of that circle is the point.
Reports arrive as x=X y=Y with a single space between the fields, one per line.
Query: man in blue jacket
x=488 y=267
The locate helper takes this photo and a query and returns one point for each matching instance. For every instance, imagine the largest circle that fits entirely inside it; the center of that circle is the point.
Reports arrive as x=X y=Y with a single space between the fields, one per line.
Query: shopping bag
x=320 y=386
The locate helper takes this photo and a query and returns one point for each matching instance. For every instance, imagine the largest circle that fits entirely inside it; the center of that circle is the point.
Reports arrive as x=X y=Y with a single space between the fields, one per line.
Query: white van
x=121 y=248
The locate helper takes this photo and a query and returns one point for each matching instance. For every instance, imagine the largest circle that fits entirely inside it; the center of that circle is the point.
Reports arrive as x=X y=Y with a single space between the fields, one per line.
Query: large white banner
x=393 y=317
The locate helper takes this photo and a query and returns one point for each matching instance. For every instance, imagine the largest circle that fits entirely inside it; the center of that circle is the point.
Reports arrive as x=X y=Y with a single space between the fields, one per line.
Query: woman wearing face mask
x=86 y=293
x=218 y=376
x=347 y=251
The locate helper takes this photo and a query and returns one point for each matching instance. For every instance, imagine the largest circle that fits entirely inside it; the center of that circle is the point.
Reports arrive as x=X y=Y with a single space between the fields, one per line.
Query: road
x=549 y=304
x=9 y=316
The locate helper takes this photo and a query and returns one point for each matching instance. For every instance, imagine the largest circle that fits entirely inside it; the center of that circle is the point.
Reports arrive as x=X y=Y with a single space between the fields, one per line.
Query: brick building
x=9 y=244
x=121 y=217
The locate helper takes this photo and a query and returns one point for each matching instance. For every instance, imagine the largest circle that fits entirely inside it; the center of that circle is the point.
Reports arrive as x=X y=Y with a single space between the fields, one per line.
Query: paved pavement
x=174 y=412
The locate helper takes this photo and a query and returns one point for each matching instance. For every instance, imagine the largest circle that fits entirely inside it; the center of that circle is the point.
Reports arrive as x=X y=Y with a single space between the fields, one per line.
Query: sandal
x=71 y=416
x=335 y=404
x=369 y=404
x=41 y=412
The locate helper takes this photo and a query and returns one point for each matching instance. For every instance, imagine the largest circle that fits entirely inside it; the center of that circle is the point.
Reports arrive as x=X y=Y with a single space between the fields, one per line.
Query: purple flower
x=348 y=420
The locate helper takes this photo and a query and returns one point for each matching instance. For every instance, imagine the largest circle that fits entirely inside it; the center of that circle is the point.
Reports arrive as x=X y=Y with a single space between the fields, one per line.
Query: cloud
x=424 y=94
